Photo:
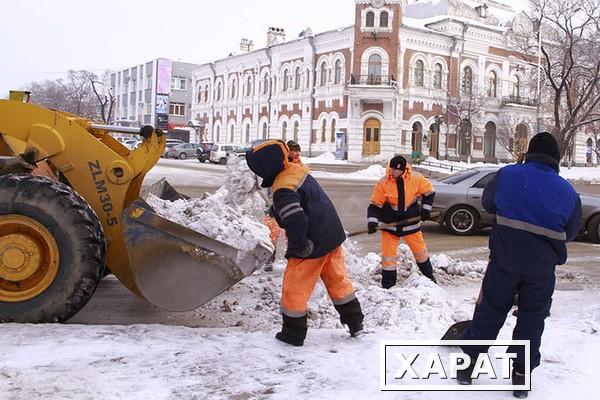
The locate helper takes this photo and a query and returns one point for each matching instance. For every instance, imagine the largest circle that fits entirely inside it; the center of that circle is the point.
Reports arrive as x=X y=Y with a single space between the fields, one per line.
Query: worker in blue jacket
x=537 y=213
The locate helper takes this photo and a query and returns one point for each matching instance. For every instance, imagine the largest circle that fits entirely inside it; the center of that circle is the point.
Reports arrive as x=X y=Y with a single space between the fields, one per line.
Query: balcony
x=522 y=101
x=372 y=80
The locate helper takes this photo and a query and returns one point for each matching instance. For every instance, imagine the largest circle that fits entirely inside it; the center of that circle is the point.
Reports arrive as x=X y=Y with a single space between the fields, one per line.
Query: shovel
x=394 y=224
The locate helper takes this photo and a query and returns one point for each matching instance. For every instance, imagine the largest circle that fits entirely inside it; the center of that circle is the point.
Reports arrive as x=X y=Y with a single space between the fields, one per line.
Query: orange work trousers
x=301 y=276
x=389 y=249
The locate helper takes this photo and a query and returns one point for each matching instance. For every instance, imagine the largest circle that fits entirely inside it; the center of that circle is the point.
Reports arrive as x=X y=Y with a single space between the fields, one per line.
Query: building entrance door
x=371 y=137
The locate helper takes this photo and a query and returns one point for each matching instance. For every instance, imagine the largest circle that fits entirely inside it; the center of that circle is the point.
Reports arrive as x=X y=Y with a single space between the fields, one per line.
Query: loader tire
x=52 y=250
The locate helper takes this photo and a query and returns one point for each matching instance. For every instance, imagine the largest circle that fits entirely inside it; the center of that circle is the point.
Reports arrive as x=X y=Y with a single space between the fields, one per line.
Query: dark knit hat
x=293 y=146
x=398 y=162
x=544 y=143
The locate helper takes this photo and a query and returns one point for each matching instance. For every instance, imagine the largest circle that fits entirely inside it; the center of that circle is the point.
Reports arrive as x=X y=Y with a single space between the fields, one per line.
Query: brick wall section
x=342 y=111
x=247 y=113
x=373 y=107
x=417 y=109
x=389 y=41
x=347 y=62
x=264 y=112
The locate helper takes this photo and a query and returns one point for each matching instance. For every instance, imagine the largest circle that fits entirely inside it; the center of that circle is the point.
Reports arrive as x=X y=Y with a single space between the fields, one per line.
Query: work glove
x=425 y=214
x=306 y=250
x=371 y=227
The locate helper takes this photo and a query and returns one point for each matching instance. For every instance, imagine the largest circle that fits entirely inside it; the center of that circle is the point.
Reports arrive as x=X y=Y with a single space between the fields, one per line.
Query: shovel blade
x=178 y=269
x=456 y=330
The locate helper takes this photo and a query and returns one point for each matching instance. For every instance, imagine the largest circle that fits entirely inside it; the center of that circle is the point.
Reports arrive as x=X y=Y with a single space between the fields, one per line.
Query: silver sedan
x=458 y=199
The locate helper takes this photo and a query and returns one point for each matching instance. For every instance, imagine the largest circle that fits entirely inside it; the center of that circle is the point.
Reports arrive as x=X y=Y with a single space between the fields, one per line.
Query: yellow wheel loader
x=70 y=208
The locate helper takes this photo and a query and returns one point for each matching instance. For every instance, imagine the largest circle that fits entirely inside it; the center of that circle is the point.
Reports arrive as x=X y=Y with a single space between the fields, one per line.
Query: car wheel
x=223 y=161
x=182 y=156
x=462 y=220
x=593 y=228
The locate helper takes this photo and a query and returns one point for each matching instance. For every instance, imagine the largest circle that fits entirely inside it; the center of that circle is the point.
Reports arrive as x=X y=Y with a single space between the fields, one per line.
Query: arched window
x=489 y=140
x=285 y=80
x=219 y=91
x=516 y=87
x=308 y=79
x=297 y=78
x=374 y=68
x=264 y=130
x=370 y=20
x=419 y=73
x=383 y=19
x=323 y=73
x=232 y=134
x=338 y=71
x=296 y=128
x=492 y=84
x=467 y=83
x=248 y=133
x=199 y=97
x=266 y=84
x=206 y=94
x=274 y=85
x=249 y=86
x=324 y=131
x=218 y=134
x=437 y=76
x=332 y=138
x=233 y=89
x=284 y=131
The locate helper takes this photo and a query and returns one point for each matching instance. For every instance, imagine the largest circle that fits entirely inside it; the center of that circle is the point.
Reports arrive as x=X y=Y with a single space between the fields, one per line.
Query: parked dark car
x=203 y=151
x=458 y=199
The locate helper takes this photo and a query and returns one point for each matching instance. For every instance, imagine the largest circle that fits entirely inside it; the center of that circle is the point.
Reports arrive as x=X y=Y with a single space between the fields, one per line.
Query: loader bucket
x=176 y=268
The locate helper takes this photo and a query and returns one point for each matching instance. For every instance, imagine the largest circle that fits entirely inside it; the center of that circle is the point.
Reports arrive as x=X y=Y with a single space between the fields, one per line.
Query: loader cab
x=20 y=95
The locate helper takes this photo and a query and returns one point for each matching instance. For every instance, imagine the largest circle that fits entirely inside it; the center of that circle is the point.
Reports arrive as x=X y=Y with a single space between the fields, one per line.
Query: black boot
x=463 y=376
x=293 y=330
x=351 y=315
x=518 y=378
x=427 y=270
x=388 y=278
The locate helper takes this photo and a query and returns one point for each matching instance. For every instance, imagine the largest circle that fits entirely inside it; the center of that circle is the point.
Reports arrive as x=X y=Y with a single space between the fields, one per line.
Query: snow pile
x=325 y=158
x=233 y=214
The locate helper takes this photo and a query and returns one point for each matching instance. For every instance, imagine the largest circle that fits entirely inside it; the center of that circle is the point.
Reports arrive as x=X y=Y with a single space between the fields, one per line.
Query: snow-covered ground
x=244 y=361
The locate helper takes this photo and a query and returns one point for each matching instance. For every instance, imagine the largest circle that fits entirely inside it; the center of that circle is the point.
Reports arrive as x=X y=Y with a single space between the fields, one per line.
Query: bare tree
x=571 y=65
x=106 y=100
x=463 y=111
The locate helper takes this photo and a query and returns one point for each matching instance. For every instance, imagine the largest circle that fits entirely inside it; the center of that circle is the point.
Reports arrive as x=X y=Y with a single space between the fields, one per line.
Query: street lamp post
x=539 y=67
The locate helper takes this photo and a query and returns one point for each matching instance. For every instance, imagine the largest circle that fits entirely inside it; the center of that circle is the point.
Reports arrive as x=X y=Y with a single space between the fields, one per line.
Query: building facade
x=435 y=78
x=157 y=93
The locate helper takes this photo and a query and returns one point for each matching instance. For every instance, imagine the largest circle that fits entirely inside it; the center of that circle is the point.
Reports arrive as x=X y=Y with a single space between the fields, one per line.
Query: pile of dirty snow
x=233 y=214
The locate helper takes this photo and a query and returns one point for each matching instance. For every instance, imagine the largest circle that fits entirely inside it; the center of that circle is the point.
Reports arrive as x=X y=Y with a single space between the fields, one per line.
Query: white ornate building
x=394 y=82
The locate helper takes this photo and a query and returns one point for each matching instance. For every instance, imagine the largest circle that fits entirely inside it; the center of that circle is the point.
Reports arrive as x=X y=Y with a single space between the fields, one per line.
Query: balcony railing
x=524 y=101
x=373 y=80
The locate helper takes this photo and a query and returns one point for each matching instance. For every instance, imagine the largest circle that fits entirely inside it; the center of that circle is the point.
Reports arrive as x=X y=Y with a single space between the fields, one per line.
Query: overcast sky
x=42 y=39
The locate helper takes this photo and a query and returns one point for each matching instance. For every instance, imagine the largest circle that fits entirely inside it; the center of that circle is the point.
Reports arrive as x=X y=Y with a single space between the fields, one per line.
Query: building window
x=374 y=66
x=218 y=134
x=437 y=76
x=249 y=87
x=516 y=87
x=284 y=131
x=297 y=78
x=296 y=128
x=383 y=19
x=332 y=138
x=307 y=78
x=248 y=133
x=419 y=73
x=492 y=84
x=177 y=109
x=370 y=21
x=467 y=83
x=231 y=134
x=338 y=72
x=285 y=80
x=199 y=96
x=266 y=84
x=324 y=131
x=206 y=94
x=323 y=73
x=264 y=130
x=219 y=91
x=178 y=83
x=233 y=90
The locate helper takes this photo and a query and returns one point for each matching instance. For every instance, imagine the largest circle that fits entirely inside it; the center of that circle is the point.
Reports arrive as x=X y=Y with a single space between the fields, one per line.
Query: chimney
x=246 y=45
x=275 y=36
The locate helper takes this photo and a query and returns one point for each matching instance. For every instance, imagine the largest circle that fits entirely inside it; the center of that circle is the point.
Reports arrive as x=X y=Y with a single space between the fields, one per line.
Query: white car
x=220 y=152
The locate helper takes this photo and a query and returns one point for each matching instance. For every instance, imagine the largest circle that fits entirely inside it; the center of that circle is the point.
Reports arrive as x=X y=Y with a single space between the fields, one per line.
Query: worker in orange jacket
x=315 y=236
x=295 y=150
x=396 y=198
